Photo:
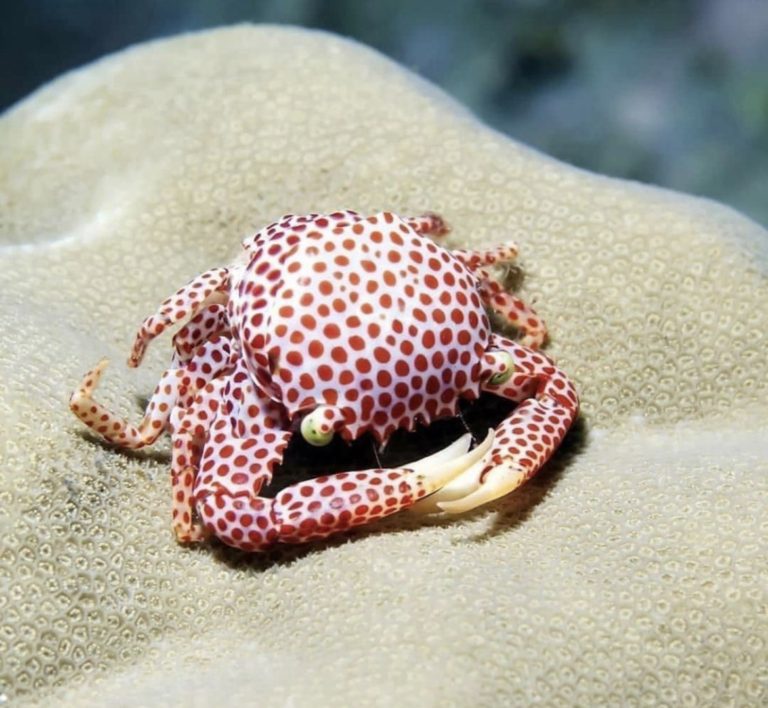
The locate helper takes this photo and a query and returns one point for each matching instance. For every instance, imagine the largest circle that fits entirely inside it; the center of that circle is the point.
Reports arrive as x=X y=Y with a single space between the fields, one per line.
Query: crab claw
x=319 y=507
x=436 y=471
x=525 y=440
x=498 y=482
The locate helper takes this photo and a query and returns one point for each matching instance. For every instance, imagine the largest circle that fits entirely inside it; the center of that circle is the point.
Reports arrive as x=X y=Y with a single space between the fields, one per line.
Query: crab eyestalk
x=501 y=367
x=319 y=426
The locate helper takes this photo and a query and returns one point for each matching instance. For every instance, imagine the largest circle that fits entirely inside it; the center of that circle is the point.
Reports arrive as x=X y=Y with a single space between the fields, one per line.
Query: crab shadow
x=303 y=462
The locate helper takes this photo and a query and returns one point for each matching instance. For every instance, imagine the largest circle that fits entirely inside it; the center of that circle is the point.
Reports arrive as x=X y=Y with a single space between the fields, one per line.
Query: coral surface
x=631 y=570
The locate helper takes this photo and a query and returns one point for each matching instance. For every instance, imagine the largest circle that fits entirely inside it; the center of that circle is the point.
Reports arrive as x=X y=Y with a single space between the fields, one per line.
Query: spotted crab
x=339 y=324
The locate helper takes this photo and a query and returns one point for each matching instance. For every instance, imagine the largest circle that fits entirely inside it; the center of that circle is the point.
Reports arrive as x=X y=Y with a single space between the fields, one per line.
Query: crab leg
x=478 y=260
x=429 y=224
x=177 y=387
x=517 y=312
x=514 y=310
x=210 y=321
x=244 y=445
x=319 y=507
x=184 y=463
x=524 y=441
x=207 y=288
x=189 y=431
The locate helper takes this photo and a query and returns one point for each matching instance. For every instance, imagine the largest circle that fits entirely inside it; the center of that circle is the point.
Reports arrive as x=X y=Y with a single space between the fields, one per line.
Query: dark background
x=672 y=92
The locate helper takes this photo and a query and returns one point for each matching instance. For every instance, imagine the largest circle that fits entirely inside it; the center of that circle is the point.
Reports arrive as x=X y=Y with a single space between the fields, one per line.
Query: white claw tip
x=499 y=482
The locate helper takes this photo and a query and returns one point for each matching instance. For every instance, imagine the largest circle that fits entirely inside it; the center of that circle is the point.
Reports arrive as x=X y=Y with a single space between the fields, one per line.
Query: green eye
x=505 y=360
x=501 y=378
x=311 y=432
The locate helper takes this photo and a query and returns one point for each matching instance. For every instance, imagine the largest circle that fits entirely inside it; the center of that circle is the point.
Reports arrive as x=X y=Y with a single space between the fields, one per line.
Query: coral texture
x=632 y=571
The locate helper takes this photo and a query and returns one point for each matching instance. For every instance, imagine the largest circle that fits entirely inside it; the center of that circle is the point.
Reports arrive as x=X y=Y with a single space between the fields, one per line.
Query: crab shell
x=363 y=314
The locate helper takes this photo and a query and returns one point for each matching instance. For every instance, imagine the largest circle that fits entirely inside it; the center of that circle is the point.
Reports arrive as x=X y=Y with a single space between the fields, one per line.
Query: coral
x=633 y=570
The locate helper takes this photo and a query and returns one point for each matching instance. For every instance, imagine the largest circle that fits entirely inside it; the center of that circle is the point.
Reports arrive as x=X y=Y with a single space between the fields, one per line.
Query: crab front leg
x=308 y=511
x=246 y=443
x=526 y=439
x=208 y=288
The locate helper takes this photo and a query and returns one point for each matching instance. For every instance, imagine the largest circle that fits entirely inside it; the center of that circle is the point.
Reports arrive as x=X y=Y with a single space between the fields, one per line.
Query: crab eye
x=316 y=429
x=505 y=368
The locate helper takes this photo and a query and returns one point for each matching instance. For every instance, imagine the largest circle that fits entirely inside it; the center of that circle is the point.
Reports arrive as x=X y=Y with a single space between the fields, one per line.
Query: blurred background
x=671 y=92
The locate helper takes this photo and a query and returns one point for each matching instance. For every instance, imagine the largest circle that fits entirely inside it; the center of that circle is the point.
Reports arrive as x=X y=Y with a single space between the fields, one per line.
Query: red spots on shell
x=339 y=355
x=431 y=281
x=402 y=368
x=383 y=378
x=421 y=362
x=316 y=349
x=294 y=358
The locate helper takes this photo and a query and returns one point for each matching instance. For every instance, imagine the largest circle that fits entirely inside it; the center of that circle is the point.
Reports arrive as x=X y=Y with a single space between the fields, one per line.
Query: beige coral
x=635 y=570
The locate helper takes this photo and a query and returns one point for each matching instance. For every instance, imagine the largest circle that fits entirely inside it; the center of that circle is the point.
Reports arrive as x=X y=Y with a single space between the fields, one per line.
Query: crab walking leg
x=514 y=310
x=185 y=460
x=214 y=405
x=209 y=286
x=233 y=470
x=189 y=432
x=176 y=387
x=517 y=312
x=210 y=321
x=429 y=224
x=526 y=439
x=245 y=436
x=477 y=260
